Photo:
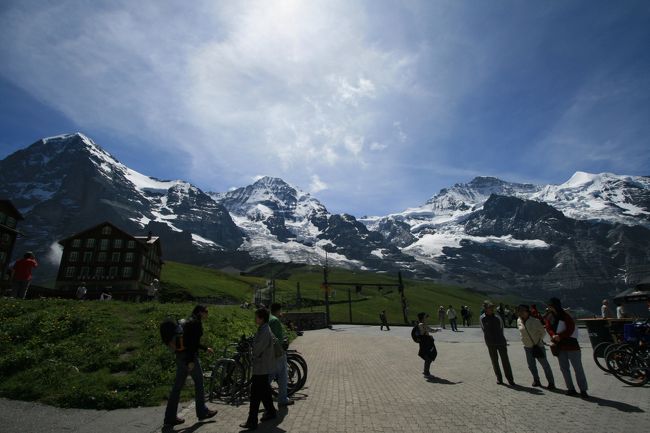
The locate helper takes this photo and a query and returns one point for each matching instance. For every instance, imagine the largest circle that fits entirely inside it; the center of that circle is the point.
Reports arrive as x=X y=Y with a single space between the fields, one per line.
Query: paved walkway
x=365 y=380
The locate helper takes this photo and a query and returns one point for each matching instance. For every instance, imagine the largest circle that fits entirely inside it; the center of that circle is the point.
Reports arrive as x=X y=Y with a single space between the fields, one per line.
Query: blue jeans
x=175 y=395
x=532 y=366
x=280 y=374
x=573 y=357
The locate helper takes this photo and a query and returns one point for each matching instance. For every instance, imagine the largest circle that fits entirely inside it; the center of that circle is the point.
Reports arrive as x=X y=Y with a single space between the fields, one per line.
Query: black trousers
x=260 y=392
x=384 y=323
x=502 y=351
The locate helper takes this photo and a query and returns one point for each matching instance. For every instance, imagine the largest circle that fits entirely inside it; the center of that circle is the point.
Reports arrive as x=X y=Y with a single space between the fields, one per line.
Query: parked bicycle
x=629 y=362
x=229 y=377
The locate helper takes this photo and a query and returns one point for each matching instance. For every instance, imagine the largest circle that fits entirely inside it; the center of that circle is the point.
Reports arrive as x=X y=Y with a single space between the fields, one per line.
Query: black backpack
x=171 y=334
x=415 y=333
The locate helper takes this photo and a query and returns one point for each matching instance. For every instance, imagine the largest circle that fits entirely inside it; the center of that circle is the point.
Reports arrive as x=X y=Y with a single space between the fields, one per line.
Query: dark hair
x=263 y=314
x=199 y=309
x=422 y=316
x=523 y=307
x=275 y=307
x=556 y=303
x=28 y=255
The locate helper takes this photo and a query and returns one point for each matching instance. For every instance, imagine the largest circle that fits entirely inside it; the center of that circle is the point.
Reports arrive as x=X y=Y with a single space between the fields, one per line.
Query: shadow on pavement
x=623 y=407
x=442 y=381
x=191 y=429
x=533 y=391
x=272 y=426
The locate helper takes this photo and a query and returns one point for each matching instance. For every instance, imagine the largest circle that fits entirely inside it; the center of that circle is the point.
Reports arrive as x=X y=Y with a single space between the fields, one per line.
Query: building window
x=85 y=271
x=5 y=239
x=101 y=257
x=73 y=256
x=117 y=243
x=76 y=243
x=131 y=245
x=112 y=271
x=103 y=244
x=115 y=257
x=128 y=257
x=69 y=271
x=99 y=271
x=90 y=243
x=88 y=257
x=3 y=218
x=106 y=230
x=11 y=222
x=127 y=272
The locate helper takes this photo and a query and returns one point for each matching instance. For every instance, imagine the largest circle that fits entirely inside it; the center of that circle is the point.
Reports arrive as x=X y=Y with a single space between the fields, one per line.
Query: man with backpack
x=421 y=335
x=186 y=342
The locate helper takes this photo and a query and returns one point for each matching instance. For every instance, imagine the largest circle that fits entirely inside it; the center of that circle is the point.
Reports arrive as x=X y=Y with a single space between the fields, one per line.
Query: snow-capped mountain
x=583 y=239
x=285 y=224
x=67 y=183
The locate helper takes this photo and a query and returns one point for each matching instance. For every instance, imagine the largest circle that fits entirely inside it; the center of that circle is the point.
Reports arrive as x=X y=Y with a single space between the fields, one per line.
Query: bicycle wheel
x=226 y=379
x=599 y=355
x=636 y=369
x=294 y=378
x=296 y=357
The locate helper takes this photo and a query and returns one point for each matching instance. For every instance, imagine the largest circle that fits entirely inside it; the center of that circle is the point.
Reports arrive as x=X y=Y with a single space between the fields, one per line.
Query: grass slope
x=421 y=295
x=102 y=355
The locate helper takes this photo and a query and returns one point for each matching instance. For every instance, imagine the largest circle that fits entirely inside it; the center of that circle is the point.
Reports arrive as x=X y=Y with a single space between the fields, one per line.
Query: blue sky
x=372 y=106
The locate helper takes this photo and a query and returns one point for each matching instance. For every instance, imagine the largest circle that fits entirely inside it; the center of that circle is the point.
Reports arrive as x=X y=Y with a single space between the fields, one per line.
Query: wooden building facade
x=107 y=258
x=9 y=217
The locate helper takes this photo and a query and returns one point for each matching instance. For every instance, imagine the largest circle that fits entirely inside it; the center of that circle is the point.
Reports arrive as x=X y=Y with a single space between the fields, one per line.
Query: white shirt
x=604 y=311
x=620 y=312
x=451 y=313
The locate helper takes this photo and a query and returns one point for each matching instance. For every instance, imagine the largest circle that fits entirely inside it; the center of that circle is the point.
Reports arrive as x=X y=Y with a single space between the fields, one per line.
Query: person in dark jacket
x=187 y=362
x=564 y=339
x=495 y=341
x=264 y=363
x=428 y=351
x=383 y=320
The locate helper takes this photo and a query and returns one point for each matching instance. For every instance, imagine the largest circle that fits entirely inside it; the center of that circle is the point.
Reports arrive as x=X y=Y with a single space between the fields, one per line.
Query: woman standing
x=532 y=336
x=263 y=364
x=564 y=345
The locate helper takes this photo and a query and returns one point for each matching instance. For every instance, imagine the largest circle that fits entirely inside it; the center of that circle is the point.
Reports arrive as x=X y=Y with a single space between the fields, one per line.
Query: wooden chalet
x=9 y=217
x=106 y=258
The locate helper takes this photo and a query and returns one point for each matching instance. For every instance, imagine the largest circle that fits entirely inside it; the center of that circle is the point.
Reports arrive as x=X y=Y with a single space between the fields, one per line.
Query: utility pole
x=400 y=288
x=327 y=296
x=350 y=304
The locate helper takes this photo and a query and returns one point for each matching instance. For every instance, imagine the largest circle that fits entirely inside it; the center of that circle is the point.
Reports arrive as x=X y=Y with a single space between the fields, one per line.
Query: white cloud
x=377 y=146
x=317 y=184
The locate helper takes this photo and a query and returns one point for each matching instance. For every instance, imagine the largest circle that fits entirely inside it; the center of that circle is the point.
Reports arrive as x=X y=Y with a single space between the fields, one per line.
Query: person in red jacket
x=21 y=275
x=564 y=344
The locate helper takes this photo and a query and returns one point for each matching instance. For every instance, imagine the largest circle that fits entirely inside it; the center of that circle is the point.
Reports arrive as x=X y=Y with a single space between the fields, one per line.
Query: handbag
x=537 y=350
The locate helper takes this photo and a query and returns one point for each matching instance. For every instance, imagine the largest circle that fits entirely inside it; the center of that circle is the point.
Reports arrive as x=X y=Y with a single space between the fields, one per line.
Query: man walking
x=187 y=362
x=441 y=316
x=451 y=314
x=428 y=351
x=384 y=321
x=495 y=341
x=532 y=336
x=21 y=275
x=280 y=374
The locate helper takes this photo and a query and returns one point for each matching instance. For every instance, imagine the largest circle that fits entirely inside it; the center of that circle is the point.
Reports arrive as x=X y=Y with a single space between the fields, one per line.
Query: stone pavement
x=365 y=380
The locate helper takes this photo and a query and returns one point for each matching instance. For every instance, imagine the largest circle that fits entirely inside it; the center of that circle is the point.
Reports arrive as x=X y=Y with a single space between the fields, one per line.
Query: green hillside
x=102 y=355
x=421 y=295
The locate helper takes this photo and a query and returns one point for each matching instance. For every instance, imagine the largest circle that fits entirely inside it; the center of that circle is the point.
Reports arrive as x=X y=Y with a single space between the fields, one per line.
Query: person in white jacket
x=532 y=334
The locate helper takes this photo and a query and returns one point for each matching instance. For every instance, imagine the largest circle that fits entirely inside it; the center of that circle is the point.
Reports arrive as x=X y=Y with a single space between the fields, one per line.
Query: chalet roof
x=81 y=233
x=147 y=239
x=13 y=208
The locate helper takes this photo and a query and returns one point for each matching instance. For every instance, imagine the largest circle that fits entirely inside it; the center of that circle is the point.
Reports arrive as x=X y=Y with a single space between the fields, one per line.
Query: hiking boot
x=288 y=403
x=537 y=384
x=571 y=392
x=208 y=414
x=248 y=426
x=499 y=382
x=551 y=386
x=583 y=394
x=177 y=421
x=269 y=416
